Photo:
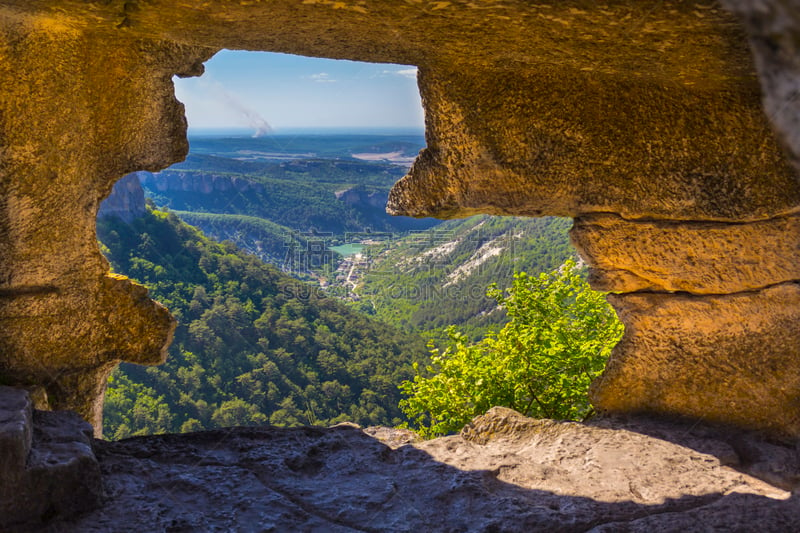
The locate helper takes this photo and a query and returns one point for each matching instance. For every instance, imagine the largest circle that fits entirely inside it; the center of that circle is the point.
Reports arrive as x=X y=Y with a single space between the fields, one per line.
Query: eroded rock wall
x=126 y=200
x=685 y=206
x=565 y=142
x=78 y=111
x=47 y=465
x=642 y=121
x=773 y=29
x=710 y=313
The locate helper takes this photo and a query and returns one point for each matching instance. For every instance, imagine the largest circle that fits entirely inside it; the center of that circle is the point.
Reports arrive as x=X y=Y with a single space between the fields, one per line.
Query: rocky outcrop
x=47 y=465
x=720 y=358
x=773 y=29
x=649 y=114
x=740 y=346
x=198 y=182
x=503 y=473
x=73 y=119
x=710 y=317
x=126 y=200
x=693 y=257
x=568 y=144
x=362 y=197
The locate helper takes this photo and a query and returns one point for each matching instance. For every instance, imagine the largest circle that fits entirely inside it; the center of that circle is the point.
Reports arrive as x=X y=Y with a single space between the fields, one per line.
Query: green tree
x=237 y=413
x=541 y=363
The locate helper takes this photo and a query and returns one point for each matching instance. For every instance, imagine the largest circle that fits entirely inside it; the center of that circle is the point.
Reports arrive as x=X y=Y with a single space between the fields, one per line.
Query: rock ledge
x=505 y=472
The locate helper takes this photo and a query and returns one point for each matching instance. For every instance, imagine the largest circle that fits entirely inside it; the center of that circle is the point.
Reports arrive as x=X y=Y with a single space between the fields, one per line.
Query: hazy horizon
x=247 y=132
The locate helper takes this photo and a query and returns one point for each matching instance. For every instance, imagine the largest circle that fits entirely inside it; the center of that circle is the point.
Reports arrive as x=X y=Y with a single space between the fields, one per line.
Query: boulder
x=48 y=465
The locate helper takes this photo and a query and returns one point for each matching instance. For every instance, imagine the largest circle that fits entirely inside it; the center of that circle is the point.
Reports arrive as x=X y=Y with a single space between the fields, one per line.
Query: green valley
x=253 y=345
x=302 y=301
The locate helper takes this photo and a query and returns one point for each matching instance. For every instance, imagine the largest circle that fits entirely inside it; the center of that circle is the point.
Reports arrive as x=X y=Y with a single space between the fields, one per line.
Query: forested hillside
x=280 y=197
x=272 y=243
x=327 y=195
x=432 y=279
x=252 y=346
x=255 y=345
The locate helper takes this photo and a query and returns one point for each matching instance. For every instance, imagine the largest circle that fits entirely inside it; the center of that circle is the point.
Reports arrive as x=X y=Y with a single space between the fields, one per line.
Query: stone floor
x=503 y=473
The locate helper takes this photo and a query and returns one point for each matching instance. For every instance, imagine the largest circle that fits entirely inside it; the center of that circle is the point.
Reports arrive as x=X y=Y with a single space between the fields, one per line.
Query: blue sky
x=249 y=89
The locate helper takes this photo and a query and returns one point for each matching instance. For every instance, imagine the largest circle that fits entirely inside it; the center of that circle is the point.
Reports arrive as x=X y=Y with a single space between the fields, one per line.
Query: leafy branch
x=559 y=337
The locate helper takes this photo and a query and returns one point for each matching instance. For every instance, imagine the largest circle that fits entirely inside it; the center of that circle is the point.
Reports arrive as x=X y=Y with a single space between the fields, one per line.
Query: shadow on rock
x=504 y=472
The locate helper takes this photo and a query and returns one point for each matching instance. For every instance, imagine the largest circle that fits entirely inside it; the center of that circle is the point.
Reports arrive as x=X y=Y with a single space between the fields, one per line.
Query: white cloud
x=410 y=73
x=322 y=77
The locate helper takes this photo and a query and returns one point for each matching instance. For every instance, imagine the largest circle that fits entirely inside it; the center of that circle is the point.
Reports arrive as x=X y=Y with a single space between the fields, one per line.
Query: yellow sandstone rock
x=644 y=120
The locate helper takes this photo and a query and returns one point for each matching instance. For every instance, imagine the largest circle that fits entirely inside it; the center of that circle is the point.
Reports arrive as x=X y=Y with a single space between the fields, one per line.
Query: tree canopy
x=253 y=345
x=540 y=363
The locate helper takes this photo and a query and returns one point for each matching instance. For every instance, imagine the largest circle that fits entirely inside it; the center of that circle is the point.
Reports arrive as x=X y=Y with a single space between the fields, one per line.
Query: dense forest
x=253 y=345
x=271 y=242
x=433 y=279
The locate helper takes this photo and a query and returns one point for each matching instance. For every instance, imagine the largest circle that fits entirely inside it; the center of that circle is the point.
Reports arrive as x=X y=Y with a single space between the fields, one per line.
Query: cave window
x=291 y=160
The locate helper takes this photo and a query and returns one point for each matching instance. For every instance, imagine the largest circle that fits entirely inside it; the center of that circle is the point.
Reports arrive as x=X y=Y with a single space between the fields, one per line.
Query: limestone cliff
x=126 y=200
x=361 y=197
x=198 y=182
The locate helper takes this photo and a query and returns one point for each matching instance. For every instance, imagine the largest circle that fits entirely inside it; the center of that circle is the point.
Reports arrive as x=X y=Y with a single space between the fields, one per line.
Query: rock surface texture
x=773 y=29
x=47 y=465
x=644 y=121
x=73 y=118
x=503 y=473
